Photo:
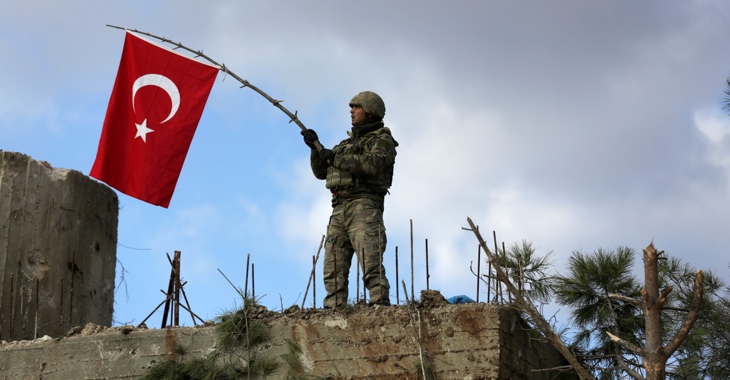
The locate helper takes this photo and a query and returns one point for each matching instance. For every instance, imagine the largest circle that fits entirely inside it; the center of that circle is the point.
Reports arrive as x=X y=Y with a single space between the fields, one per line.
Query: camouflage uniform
x=358 y=178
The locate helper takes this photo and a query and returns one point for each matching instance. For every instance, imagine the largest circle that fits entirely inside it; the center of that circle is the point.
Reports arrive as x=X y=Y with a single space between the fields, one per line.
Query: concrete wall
x=472 y=341
x=58 y=232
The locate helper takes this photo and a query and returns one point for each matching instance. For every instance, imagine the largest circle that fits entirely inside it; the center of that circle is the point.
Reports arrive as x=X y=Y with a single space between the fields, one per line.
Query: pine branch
x=689 y=322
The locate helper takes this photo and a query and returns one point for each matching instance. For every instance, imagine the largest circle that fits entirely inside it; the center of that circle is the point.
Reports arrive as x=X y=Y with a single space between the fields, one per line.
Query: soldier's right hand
x=310 y=136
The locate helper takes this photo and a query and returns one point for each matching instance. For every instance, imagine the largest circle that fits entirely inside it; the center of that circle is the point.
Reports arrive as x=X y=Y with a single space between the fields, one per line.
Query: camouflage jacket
x=363 y=163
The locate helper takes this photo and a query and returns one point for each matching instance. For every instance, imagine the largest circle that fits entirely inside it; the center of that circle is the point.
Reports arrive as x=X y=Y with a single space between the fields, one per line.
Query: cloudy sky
x=572 y=124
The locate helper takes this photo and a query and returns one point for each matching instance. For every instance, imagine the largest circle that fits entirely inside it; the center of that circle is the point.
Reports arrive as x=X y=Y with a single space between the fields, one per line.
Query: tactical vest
x=338 y=179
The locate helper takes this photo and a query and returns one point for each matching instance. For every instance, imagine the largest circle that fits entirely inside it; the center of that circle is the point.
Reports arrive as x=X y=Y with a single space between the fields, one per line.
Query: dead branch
x=619 y=358
x=630 y=346
x=530 y=309
x=629 y=300
x=665 y=293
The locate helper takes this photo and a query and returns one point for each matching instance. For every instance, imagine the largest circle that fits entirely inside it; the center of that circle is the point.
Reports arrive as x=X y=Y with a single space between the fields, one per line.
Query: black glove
x=327 y=155
x=310 y=136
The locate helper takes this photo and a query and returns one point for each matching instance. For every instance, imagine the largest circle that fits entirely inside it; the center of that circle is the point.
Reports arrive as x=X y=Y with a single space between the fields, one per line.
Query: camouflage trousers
x=356 y=226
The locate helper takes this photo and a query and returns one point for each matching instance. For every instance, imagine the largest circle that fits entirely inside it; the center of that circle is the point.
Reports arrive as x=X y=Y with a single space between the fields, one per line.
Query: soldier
x=358 y=172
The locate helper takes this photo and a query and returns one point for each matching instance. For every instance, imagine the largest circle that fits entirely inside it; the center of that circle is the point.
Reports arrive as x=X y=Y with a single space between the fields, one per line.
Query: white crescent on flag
x=162 y=82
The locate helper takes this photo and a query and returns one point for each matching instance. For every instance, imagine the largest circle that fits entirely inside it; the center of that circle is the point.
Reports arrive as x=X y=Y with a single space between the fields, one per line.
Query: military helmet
x=371 y=102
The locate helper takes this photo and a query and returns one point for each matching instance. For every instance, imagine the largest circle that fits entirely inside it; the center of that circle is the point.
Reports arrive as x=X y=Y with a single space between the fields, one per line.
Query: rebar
x=245 y=285
x=504 y=254
x=314 y=267
x=176 y=300
x=428 y=276
x=479 y=268
x=170 y=289
x=499 y=296
x=380 y=264
x=413 y=299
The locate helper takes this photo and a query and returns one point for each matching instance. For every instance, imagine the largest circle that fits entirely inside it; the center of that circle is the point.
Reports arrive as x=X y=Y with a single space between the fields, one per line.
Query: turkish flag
x=157 y=101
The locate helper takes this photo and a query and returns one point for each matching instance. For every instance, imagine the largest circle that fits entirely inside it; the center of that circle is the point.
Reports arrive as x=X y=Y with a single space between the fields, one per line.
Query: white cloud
x=715 y=127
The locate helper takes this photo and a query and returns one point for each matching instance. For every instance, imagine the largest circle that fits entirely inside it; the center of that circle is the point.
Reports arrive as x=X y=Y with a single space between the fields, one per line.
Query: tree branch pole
x=530 y=309
x=222 y=67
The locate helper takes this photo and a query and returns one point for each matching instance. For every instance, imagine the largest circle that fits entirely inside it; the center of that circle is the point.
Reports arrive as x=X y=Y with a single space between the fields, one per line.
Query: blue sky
x=575 y=125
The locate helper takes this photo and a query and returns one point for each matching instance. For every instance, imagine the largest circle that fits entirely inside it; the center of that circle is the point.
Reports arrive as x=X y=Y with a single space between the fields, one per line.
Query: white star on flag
x=142 y=130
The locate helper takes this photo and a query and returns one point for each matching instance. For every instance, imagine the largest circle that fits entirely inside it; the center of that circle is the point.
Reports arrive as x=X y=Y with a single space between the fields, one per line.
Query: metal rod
x=253 y=283
x=380 y=264
x=192 y=315
x=314 y=282
x=489 y=281
x=479 y=276
x=234 y=286
x=428 y=275
x=504 y=254
x=314 y=267
x=245 y=286
x=153 y=311
x=176 y=301
x=499 y=296
x=413 y=299
x=170 y=289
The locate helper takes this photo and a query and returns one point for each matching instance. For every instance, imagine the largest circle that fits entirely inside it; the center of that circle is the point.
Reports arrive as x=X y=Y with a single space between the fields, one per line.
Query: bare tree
x=654 y=352
x=543 y=326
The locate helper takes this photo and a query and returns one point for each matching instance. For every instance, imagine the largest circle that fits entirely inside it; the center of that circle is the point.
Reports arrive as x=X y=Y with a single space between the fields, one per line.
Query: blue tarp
x=460 y=299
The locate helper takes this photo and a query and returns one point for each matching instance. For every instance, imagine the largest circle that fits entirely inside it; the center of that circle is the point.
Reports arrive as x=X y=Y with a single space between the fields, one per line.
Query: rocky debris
x=432 y=298
x=429 y=299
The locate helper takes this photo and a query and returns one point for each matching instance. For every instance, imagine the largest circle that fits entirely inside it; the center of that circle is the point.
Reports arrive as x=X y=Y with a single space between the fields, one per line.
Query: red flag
x=157 y=101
